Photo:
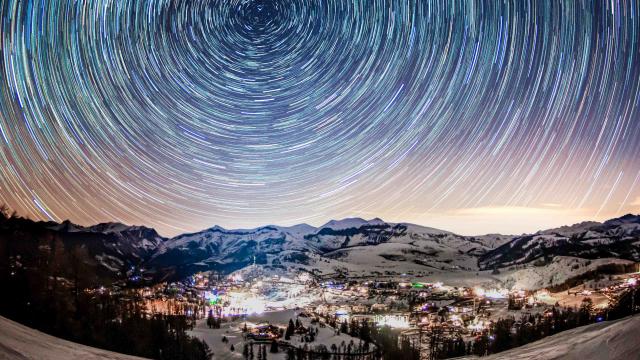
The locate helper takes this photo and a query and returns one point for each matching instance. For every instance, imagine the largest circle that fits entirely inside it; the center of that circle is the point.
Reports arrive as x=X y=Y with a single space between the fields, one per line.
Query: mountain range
x=355 y=246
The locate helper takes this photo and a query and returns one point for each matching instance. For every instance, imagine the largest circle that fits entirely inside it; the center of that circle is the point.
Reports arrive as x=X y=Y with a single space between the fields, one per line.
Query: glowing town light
x=212 y=297
x=496 y=294
x=393 y=321
x=476 y=326
x=342 y=315
x=456 y=320
x=254 y=306
x=243 y=303
x=492 y=293
x=543 y=294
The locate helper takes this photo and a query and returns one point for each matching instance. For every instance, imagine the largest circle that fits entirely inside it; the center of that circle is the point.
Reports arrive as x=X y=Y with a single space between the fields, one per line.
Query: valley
x=347 y=285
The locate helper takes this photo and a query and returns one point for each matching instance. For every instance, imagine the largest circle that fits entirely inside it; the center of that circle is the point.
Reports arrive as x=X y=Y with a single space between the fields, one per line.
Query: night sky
x=475 y=117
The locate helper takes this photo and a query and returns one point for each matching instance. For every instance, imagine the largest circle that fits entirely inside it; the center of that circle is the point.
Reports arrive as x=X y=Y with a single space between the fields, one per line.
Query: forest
x=50 y=287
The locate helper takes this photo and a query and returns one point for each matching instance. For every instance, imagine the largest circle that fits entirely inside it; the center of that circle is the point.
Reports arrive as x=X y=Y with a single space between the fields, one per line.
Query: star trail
x=184 y=114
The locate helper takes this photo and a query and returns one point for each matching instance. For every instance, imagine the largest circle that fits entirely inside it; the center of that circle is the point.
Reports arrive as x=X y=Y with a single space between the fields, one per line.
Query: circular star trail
x=183 y=114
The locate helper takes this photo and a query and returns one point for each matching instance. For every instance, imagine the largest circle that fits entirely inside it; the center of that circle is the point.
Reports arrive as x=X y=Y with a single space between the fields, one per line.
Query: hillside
x=104 y=252
x=20 y=342
x=612 y=340
x=356 y=246
x=113 y=251
x=557 y=271
x=616 y=238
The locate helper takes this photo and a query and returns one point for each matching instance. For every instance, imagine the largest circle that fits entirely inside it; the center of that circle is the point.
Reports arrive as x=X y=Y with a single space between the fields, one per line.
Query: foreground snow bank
x=611 y=340
x=20 y=342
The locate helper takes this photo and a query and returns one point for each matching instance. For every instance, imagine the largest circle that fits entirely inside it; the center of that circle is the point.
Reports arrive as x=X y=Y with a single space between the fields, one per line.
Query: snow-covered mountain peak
x=626 y=219
x=354 y=244
x=66 y=226
x=349 y=223
x=569 y=230
x=419 y=229
x=298 y=229
x=214 y=228
x=111 y=227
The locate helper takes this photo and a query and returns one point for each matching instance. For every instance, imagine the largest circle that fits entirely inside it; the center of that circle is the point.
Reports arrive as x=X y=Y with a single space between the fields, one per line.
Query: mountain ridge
x=353 y=245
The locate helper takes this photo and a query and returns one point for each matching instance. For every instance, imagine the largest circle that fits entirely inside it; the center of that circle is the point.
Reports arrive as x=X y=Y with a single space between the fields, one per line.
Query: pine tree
x=274 y=347
x=290 y=330
x=245 y=351
x=365 y=331
x=344 y=327
x=210 y=320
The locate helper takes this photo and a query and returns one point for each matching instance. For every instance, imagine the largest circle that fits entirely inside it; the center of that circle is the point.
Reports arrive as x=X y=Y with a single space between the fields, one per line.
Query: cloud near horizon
x=508 y=219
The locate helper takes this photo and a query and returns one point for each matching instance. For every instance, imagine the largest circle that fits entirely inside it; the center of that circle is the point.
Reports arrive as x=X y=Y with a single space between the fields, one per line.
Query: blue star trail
x=182 y=114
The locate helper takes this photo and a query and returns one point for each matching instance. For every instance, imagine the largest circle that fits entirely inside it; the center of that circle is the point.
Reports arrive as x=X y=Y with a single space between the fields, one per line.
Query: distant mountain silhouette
x=117 y=252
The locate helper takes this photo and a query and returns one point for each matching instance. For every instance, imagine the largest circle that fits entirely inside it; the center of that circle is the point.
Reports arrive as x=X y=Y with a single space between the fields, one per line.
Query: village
x=238 y=316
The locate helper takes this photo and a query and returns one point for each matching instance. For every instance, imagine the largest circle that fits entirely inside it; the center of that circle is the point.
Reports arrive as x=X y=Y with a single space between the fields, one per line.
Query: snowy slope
x=354 y=245
x=616 y=238
x=138 y=241
x=20 y=342
x=369 y=247
x=407 y=248
x=397 y=248
x=351 y=223
x=107 y=251
x=612 y=340
x=114 y=246
x=557 y=272
x=227 y=250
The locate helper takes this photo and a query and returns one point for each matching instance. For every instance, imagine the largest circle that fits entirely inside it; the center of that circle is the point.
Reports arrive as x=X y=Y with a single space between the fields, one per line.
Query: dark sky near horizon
x=473 y=116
